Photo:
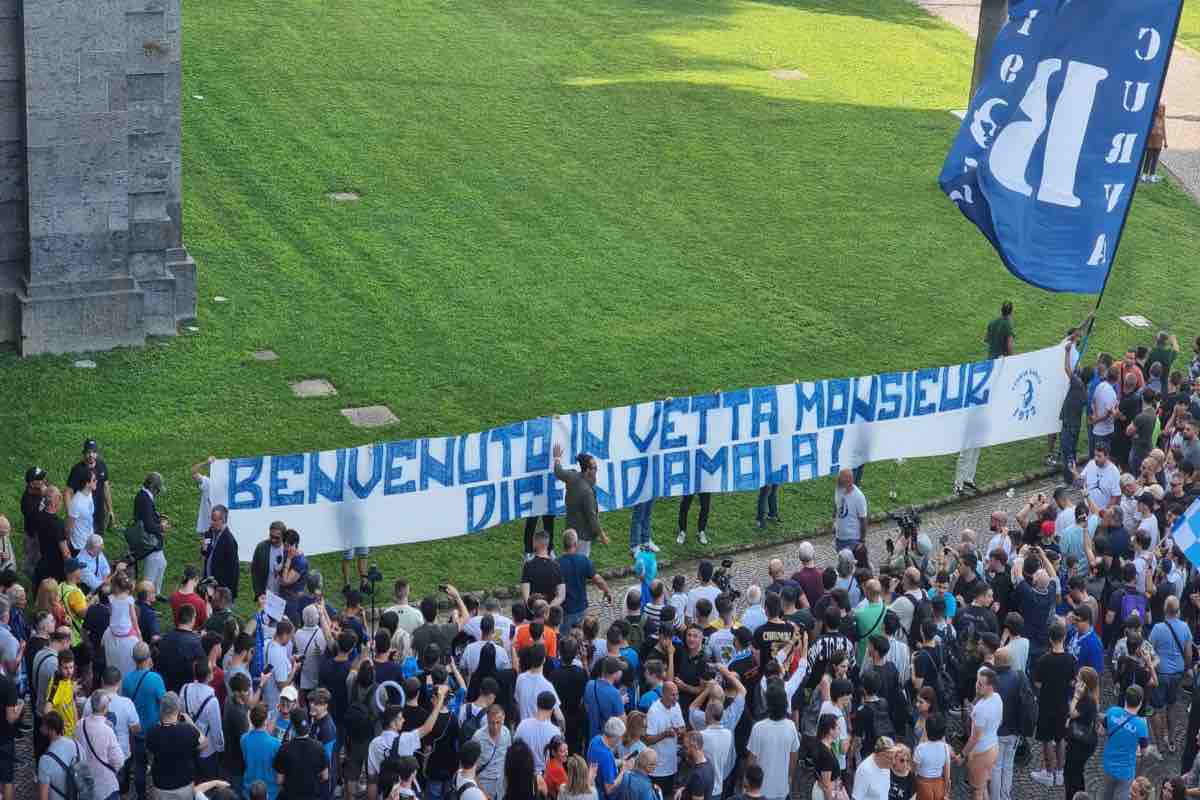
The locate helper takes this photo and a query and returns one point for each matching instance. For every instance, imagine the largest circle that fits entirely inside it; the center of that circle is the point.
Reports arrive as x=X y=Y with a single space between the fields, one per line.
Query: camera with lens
x=369 y=580
x=724 y=581
x=908 y=520
x=205 y=586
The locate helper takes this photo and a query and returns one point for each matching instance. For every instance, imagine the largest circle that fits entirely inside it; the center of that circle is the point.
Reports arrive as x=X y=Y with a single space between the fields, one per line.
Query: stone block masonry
x=91 y=246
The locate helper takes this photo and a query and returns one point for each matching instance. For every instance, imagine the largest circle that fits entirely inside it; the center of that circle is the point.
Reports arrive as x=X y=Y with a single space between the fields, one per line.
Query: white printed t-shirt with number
x=851 y=506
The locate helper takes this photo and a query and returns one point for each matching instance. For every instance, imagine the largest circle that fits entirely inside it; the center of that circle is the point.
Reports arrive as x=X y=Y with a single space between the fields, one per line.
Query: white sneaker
x=1152 y=752
x=1155 y=178
x=651 y=546
x=1058 y=778
x=703 y=539
x=681 y=538
x=1042 y=776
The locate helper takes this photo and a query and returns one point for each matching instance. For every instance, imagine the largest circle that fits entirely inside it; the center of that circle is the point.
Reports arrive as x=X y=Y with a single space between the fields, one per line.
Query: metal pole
x=992 y=16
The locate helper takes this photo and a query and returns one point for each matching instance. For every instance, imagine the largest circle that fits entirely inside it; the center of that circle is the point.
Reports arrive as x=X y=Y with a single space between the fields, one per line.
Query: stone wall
x=14 y=247
x=106 y=264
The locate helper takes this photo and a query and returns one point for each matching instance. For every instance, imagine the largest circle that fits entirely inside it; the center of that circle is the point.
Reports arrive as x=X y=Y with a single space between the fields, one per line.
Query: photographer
x=911 y=548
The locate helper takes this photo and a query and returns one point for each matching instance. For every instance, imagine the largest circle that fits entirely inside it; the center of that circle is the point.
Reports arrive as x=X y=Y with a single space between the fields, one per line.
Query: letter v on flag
x=1047 y=158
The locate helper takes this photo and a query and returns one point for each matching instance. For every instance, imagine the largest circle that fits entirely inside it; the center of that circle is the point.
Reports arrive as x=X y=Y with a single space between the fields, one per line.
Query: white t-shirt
x=850 y=507
x=1064 y=520
x=1102 y=483
x=472 y=792
x=1001 y=541
x=842 y=732
x=679 y=602
x=987 y=715
x=871 y=781
x=411 y=619
x=122 y=713
x=772 y=741
x=204 y=515
x=660 y=719
x=381 y=747
x=529 y=686
x=711 y=593
x=1150 y=526
x=718 y=749
x=930 y=759
x=721 y=646
x=537 y=733
x=500 y=635
x=82 y=512
x=279 y=656
x=274 y=560
x=470 y=657
x=121 y=621
x=1104 y=399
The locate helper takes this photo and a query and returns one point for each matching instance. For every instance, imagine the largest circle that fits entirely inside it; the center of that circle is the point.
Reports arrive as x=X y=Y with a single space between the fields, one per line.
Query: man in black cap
x=33 y=502
x=103 y=492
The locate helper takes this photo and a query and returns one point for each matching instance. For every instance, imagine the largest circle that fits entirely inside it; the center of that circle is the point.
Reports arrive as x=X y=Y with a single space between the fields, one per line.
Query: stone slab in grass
x=85 y=363
x=370 y=416
x=789 y=74
x=343 y=197
x=313 y=387
x=265 y=355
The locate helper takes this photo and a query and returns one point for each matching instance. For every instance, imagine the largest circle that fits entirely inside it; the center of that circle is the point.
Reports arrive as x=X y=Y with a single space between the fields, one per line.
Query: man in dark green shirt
x=1166 y=347
x=1000 y=333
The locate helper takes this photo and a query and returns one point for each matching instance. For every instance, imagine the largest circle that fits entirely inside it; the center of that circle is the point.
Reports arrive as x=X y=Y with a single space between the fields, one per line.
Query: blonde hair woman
x=631 y=742
x=983 y=746
x=581 y=781
x=47 y=601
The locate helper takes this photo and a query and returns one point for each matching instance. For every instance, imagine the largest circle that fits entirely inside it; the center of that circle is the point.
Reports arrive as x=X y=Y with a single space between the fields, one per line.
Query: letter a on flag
x=1048 y=155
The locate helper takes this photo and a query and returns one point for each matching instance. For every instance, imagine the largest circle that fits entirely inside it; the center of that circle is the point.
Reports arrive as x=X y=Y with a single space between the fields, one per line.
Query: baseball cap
x=71 y=565
x=90 y=446
x=35 y=474
x=1147 y=497
x=289 y=693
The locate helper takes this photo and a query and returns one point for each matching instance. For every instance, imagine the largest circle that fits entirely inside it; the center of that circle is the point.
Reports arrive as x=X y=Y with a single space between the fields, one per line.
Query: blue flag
x=1047 y=158
x=1186 y=533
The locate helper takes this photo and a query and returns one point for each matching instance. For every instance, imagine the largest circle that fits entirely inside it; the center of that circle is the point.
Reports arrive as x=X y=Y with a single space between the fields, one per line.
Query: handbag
x=1081 y=734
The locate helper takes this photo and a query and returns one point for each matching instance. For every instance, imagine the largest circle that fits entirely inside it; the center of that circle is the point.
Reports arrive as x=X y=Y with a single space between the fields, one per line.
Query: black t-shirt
x=543 y=576
x=177 y=652
x=300 y=761
x=771 y=638
x=333 y=677
x=965 y=588
x=235 y=721
x=174 y=748
x=903 y=787
x=826 y=761
x=76 y=480
x=970 y=623
x=1055 y=672
x=8 y=699
x=443 y=761
x=31 y=505
x=700 y=781
x=414 y=718
x=1074 y=403
x=50 y=532
x=569 y=682
x=690 y=670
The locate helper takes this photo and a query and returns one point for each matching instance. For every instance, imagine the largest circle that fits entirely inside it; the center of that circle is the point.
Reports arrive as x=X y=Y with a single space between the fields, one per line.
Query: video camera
x=723 y=581
x=908 y=520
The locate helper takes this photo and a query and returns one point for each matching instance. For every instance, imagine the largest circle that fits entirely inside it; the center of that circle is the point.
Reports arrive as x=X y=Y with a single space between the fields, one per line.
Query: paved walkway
x=1182 y=94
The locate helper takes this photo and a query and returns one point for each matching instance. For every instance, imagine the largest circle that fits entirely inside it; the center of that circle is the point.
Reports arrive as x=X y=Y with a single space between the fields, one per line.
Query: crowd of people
x=1067 y=628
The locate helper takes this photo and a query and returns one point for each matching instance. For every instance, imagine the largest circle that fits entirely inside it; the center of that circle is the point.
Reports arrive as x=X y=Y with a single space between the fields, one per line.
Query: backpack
x=358 y=719
x=1134 y=603
x=470 y=724
x=811 y=715
x=80 y=785
x=635 y=634
x=458 y=792
x=922 y=610
x=1029 y=705
x=881 y=718
x=944 y=684
x=139 y=542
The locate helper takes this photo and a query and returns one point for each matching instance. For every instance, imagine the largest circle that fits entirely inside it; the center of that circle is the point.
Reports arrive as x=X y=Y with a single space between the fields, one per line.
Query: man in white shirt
x=1104 y=407
x=391 y=742
x=774 y=744
x=1149 y=522
x=81 y=514
x=95 y=569
x=121 y=711
x=410 y=617
x=205 y=484
x=98 y=747
x=537 y=730
x=200 y=703
x=279 y=664
x=532 y=683
x=502 y=629
x=464 y=786
x=707 y=590
x=849 y=512
x=1065 y=517
x=873 y=778
x=664 y=726
x=1000 y=539
x=470 y=657
x=1102 y=480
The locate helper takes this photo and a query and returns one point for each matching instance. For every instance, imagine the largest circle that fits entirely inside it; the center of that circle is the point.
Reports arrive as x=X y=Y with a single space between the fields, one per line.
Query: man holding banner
x=583 y=514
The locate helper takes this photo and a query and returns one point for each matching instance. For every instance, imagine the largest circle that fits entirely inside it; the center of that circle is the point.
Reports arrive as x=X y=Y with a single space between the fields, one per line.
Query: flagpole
x=1141 y=154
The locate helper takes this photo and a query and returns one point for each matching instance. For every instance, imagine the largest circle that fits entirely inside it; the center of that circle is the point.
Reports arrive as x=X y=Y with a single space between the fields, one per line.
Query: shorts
x=1166 y=694
x=350 y=553
x=1051 y=725
x=8 y=761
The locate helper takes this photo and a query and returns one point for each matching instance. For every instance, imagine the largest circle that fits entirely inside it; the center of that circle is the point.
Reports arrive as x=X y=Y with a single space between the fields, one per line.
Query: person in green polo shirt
x=1000 y=333
x=869 y=616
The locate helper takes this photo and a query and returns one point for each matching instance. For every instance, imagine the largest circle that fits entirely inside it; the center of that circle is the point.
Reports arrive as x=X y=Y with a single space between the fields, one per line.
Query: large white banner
x=419 y=489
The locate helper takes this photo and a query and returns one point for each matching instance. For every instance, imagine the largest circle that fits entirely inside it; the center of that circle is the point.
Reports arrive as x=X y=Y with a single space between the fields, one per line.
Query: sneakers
x=1051 y=460
x=1155 y=178
x=703 y=539
x=775 y=520
x=681 y=538
x=651 y=546
x=761 y=524
x=1058 y=777
x=969 y=486
x=1042 y=776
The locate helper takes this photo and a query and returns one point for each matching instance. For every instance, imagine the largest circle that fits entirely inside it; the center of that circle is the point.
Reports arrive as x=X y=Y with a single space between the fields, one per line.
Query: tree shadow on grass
x=898 y=12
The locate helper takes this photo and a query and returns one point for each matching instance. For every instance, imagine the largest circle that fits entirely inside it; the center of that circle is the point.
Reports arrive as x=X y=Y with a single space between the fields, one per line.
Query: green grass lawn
x=564 y=206
x=1189 y=25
